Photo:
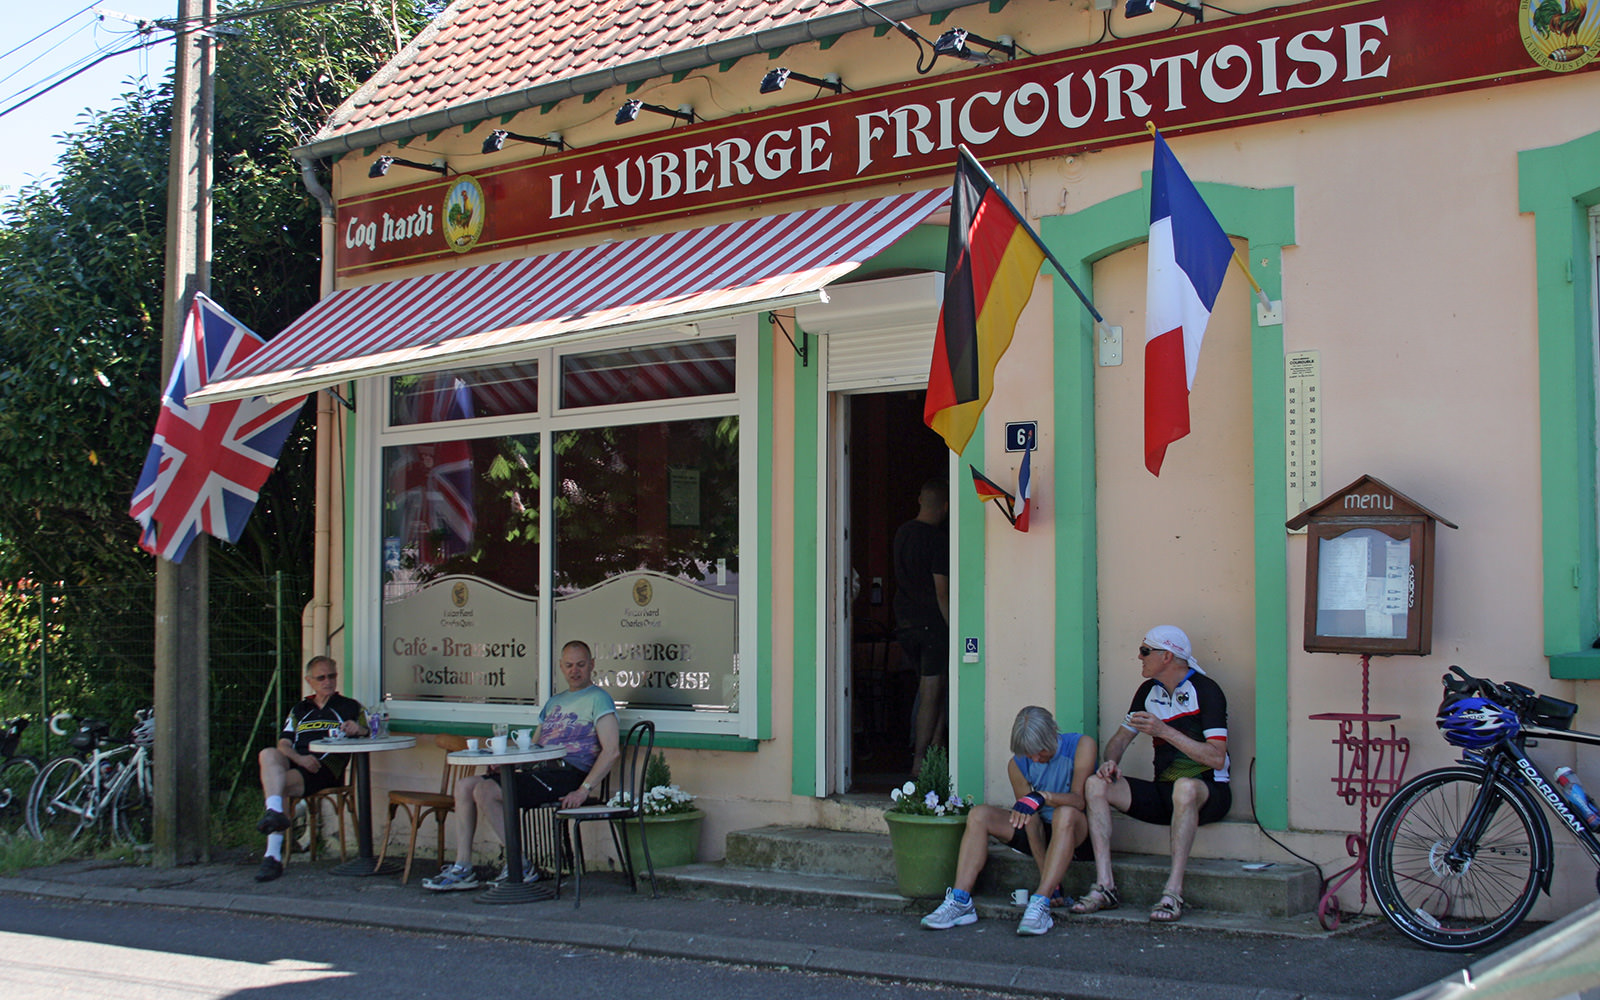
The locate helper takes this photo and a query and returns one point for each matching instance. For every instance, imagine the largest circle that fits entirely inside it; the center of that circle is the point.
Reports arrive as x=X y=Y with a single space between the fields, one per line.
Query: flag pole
x=1261 y=296
x=966 y=154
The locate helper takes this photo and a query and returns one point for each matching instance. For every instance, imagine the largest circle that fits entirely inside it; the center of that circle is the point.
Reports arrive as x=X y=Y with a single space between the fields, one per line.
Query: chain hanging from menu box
x=1369 y=571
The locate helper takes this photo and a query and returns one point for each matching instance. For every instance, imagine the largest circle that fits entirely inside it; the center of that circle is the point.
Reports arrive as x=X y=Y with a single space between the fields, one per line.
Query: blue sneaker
x=951 y=914
x=452 y=879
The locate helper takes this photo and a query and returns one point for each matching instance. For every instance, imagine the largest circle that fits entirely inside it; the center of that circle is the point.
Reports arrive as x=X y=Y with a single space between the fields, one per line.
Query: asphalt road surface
x=86 y=951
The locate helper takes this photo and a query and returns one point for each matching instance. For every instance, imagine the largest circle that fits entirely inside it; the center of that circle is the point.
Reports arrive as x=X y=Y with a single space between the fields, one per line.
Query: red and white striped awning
x=482 y=315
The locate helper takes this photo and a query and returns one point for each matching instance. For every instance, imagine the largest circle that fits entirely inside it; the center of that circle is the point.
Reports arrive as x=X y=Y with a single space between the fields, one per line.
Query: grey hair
x=1034 y=732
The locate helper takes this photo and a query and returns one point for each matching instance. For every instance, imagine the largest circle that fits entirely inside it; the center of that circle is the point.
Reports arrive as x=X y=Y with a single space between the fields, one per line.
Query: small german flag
x=988 y=489
x=990 y=266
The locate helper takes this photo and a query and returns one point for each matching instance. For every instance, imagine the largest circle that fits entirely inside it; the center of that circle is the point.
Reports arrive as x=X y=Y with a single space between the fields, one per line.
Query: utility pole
x=182 y=648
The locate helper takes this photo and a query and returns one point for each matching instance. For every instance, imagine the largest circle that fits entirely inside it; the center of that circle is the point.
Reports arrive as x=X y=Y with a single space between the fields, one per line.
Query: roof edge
x=674 y=62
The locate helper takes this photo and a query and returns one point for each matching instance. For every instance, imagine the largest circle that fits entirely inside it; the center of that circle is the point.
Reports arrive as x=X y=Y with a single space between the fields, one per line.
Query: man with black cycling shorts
x=289 y=769
x=1185 y=713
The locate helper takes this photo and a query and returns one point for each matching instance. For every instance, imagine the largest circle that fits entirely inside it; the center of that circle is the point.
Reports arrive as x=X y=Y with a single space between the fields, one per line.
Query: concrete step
x=826 y=858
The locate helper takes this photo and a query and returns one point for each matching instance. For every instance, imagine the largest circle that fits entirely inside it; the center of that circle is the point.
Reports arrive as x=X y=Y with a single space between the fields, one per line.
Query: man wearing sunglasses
x=289 y=769
x=1185 y=713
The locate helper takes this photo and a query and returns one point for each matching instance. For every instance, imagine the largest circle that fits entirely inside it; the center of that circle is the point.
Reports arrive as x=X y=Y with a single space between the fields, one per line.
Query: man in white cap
x=1185 y=713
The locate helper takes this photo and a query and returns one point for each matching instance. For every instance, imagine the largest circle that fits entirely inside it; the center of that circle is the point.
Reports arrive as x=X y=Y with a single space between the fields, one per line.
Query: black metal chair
x=636 y=750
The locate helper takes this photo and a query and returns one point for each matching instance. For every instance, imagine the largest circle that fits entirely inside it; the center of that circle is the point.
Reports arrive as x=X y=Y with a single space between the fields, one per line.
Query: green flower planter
x=925 y=852
x=674 y=839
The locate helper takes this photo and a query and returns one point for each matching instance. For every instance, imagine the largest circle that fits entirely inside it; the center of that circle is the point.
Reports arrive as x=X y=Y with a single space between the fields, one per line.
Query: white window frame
x=373 y=434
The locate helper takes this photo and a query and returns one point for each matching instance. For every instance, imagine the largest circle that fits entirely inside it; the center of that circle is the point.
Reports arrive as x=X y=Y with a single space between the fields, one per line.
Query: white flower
x=909 y=788
x=895 y=795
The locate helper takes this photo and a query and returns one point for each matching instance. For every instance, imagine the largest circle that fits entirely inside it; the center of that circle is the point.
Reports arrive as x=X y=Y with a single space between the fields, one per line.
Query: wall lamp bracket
x=381 y=165
x=958 y=41
x=775 y=79
x=630 y=110
x=496 y=140
x=1139 y=8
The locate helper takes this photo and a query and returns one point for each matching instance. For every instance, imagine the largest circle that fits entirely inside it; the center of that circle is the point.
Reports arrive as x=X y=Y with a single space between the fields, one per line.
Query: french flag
x=1189 y=256
x=1025 y=491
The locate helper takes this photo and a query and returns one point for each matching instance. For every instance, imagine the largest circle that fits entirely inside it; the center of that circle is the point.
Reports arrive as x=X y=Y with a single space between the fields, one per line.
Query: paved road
x=86 y=951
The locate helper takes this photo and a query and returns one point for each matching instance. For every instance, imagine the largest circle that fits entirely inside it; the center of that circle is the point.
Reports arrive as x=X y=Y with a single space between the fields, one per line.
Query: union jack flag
x=207 y=462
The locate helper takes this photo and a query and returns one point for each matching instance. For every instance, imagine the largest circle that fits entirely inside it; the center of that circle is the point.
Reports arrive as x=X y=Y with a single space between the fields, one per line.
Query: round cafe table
x=365 y=862
x=513 y=889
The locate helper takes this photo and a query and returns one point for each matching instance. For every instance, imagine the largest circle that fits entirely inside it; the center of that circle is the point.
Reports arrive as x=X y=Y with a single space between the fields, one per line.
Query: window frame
x=373 y=433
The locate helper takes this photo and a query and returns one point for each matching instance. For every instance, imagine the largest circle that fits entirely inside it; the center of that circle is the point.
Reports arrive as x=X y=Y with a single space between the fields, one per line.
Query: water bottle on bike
x=1567 y=781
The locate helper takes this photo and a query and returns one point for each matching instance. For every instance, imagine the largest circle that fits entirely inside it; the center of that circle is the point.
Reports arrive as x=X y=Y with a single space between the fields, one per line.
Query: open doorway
x=891 y=454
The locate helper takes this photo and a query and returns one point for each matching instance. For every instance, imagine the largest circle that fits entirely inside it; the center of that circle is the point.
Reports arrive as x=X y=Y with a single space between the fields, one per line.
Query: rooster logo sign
x=1560 y=34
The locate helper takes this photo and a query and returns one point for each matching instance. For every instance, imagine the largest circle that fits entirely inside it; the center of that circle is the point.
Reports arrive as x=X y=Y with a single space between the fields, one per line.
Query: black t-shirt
x=1196 y=708
x=308 y=722
x=921 y=551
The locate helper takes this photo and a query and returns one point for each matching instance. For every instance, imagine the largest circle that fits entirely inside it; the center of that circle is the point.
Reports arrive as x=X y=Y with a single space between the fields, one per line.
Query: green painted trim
x=544 y=109
x=1266 y=218
x=1575 y=666
x=1558 y=184
x=971 y=688
x=777 y=53
x=675 y=741
x=347 y=654
x=727 y=64
x=681 y=75
x=937 y=17
x=806 y=563
x=880 y=31
x=761 y=643
x=591 y=97
x=634 y=86
x=827 y=43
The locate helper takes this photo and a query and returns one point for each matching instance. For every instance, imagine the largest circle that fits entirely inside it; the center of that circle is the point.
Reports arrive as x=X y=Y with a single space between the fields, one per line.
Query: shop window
x=647 y=559
x=495 y=391
x=648 y=374
x=460 y=574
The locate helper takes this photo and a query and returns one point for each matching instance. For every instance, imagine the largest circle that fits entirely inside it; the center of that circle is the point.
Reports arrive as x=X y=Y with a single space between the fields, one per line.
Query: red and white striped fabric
x=476 y=315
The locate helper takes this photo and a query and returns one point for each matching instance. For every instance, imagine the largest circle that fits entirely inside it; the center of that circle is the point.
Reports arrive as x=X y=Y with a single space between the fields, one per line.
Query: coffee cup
x=497 y=744
x=524 y=738
x=1020 y=897
x=472 y=744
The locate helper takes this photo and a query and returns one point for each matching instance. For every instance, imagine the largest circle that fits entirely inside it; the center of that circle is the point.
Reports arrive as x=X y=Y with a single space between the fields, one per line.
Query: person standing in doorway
x=922 y=608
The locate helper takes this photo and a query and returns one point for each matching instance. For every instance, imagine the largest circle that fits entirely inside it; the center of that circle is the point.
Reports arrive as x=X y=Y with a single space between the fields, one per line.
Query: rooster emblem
x=1558 y=34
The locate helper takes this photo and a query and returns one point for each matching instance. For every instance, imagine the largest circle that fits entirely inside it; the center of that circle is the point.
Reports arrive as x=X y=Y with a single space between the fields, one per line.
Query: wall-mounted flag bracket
x=802 y=350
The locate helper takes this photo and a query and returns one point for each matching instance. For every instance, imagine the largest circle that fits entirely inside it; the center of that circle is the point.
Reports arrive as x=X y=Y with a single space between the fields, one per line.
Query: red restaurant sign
x=1307 y=59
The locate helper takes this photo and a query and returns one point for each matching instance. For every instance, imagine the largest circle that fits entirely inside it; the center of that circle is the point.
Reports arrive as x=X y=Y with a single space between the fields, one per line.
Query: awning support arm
x=802 y=350
x=330 y=390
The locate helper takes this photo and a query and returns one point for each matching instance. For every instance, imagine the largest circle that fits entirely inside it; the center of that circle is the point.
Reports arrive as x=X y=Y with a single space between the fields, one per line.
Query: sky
x=74 y=33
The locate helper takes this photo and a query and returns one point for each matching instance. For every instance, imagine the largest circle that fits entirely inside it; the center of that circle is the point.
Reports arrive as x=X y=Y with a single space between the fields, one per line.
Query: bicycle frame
x=101 y=792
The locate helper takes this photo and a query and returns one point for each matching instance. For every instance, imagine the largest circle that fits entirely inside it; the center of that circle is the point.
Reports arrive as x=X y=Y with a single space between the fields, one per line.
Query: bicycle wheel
x=1440 y=904
x=16 y=778
x=131 y=806
x=60 y=800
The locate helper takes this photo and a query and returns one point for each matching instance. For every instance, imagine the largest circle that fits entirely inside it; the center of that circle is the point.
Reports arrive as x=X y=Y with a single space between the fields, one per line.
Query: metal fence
x=89 y=651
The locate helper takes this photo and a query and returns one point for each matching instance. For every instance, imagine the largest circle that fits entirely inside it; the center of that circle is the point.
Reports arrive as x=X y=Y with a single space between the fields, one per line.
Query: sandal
x=1168 y=910
x=1099 y=897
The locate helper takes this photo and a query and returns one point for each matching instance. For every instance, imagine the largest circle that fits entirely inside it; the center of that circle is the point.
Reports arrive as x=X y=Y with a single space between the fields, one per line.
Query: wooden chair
x=420 y=806
x=343 y=799
x=636 y=750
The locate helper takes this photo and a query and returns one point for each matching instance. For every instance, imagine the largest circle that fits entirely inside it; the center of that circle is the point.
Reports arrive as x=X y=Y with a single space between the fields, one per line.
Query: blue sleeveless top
x=1055 y=776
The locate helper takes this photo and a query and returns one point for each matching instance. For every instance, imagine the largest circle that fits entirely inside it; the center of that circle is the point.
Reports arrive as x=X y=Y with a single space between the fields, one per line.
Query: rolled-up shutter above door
x=880 y=333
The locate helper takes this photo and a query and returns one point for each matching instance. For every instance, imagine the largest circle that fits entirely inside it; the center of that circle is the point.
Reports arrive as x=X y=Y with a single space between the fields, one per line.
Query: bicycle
x=108 y=780
x=1459 y=855
x=17 y=773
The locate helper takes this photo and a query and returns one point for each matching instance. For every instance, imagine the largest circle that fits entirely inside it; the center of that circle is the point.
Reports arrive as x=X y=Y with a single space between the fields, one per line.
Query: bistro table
x=513 y=889
x=365 y=862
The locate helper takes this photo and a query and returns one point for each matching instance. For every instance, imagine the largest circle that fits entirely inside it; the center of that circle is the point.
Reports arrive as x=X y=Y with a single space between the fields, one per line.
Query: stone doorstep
x=1223 y=885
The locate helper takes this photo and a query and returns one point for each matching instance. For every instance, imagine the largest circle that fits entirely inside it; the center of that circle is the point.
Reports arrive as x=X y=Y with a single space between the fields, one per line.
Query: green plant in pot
x=674 y=820
x=926 y=822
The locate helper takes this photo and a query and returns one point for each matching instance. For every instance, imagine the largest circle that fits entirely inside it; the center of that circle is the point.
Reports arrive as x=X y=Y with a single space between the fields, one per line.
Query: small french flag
x=1025 y=491
x=1189 y=254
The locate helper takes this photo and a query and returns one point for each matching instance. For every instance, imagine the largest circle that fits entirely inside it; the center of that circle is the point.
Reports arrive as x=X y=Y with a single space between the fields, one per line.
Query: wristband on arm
x=1029 y=803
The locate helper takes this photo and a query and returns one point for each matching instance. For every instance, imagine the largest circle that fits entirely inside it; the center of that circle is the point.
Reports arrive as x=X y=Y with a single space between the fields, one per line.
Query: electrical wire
x=46 y=31
x=80 y=71
x=1322 y=880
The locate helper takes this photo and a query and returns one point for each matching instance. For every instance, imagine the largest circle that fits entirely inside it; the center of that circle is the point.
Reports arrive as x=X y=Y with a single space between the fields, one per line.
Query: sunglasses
x=324 y=677
x=1145 y=651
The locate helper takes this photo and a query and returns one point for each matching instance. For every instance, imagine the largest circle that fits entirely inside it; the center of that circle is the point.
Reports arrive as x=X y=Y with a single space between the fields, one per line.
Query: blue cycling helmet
x=1475 y=723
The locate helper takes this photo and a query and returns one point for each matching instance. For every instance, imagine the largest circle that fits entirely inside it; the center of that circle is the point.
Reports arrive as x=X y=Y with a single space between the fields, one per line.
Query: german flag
x=990 y=266
x=987 y=488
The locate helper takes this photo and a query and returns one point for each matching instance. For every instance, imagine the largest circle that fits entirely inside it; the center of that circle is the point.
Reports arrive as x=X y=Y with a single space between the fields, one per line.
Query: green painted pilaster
x=969 y=684
x=806 y=565
x=762 y=644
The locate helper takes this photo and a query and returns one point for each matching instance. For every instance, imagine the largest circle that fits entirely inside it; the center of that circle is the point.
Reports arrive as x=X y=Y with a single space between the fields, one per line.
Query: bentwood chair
x=636 y=750
x=343 y=799
x=420 y=806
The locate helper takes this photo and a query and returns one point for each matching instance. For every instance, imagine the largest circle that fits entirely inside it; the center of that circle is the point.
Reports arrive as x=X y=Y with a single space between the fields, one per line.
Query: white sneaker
x=529 y=873
x=452 y=879
x=1036 y=918
x=951 y=914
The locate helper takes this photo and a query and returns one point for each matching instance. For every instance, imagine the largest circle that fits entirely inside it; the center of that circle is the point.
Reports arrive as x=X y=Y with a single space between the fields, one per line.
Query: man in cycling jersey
x=1185 y=713
x=288 y=768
